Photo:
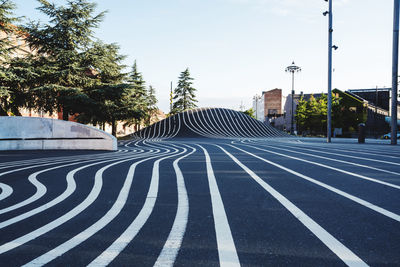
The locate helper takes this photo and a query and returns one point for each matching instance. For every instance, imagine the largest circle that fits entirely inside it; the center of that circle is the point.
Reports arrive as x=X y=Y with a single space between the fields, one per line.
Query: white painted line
x=354 y=157
x=345 y=254
x=336 y=160
x=226 y=246
x=71 y=186
x=331 y=168
x=360 y=201
x=172 y=245
x=6 y=191
x=94 y=193
x=126 y=237
x=40 y=188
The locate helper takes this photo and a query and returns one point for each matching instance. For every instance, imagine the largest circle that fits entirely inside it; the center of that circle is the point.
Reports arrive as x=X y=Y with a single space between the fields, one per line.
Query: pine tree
x=6 y=48
x=139 y=97
x=61 y=47
x=7 y=28
x=151 y=104
x=136 y=79
x=184 y=93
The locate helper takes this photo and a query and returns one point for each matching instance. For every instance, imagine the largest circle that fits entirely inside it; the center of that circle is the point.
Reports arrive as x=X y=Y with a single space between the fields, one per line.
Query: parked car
x=388 y=136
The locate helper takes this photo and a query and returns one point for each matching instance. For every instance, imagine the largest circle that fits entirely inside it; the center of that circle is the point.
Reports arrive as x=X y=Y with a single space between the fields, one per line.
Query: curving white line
x=54 y=160
x=94 y=193
x=215 y=125
x=179 y=125
x=40 y=191
x=245 y=122
x=205 y=125
x=360 y=201
x=126 y=237
x=229 y=129
x=231 y=124
x=71 y=187
x=226 y=246
x=193 y=128
x=40 y=188
x=6 y=191
x=345 y=254
x=172 y=245
x=224 y=124
x=235 y=121
x=100 y=224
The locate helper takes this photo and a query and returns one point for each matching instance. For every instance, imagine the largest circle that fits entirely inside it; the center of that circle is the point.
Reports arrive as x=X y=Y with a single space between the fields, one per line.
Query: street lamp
x=292 y=69
x=395 y=63
x=330 y=47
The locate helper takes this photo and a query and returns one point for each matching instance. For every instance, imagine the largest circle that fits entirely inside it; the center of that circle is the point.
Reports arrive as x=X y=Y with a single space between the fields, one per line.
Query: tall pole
x=395 y=62
x=171 y=95
x=292 y=69
x=292 y=122
x=329 y=111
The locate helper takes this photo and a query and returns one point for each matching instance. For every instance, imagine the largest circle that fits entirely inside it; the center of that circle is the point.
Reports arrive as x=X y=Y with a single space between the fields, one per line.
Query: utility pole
x=171 y=95
x=329 y=111
x=395 y=62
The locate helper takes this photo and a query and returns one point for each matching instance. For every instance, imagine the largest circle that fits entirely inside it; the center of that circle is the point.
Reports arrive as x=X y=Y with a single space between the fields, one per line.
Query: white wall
x=22 y=133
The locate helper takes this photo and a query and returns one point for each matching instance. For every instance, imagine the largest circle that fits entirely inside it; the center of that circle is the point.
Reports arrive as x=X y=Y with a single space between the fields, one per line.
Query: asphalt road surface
x=203 y=202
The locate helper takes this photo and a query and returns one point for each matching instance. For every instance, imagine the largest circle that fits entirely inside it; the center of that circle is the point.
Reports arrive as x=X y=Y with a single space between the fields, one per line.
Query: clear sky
x=236 y=49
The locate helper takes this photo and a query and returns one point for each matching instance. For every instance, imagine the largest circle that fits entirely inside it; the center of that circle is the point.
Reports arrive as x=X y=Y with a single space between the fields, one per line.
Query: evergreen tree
x=184 y=93
x=7 y=27
x=6 y=49
x=111 y=98
x=61 y=47
x=139 y=97
x=136 y=79
x=151 y=104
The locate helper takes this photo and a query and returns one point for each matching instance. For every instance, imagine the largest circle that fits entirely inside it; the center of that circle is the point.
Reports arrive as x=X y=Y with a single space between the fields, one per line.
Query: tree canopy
x=184 y=93
x=69 y=70
x=311 y=115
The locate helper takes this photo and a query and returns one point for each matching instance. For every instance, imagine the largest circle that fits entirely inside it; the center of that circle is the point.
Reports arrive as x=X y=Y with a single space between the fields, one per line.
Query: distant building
x=273 y=103
x=278 y=111
x=379 y=97
x=258 y=107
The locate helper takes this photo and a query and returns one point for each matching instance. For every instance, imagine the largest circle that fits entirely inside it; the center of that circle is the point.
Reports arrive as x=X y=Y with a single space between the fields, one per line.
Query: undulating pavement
x=215 y=197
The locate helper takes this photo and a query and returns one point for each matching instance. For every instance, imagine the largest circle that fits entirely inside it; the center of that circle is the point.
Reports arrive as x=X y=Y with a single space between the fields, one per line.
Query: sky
x=236 y=49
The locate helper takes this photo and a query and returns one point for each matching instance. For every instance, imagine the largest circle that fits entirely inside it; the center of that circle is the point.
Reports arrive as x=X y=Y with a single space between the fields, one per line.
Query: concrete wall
x=23 y=133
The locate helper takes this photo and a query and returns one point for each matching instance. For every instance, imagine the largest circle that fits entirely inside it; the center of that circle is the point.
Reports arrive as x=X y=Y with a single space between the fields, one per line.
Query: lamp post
x=292 y=69
x=395 y=62
x=330 y=46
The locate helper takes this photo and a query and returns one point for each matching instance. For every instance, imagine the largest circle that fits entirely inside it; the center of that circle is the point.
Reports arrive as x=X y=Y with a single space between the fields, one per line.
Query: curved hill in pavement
x=209 y=122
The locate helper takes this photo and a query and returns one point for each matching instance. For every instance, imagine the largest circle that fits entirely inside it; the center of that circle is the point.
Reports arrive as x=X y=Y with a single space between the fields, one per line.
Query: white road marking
x=94 y=193
x=6 y=191
x=330 y=167
x=360 y=201
x=71 y=186
x=172 y=245
x=226 y=246
x=345 y=254
x=126 y=237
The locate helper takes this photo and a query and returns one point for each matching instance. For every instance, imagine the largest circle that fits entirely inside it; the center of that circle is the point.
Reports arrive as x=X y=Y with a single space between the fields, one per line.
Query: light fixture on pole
x=292 y=69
